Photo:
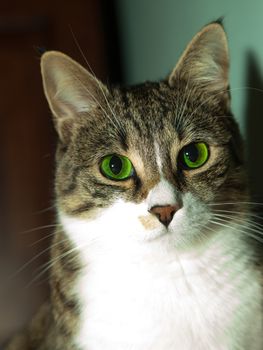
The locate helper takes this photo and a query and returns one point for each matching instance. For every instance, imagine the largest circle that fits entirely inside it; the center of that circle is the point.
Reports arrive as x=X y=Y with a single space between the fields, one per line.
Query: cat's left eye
x=116 y=167
x=194 y=155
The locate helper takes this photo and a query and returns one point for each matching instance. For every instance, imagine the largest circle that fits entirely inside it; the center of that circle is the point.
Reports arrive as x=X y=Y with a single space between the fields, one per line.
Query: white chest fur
x=146 y=297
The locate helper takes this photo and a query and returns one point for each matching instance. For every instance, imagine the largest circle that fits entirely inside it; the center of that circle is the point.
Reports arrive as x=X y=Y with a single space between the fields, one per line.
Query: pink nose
x=164 y=213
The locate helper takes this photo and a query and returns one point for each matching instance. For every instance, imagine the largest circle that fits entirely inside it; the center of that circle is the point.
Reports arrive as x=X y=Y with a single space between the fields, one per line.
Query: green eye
x=116 y=167
x=194 y=155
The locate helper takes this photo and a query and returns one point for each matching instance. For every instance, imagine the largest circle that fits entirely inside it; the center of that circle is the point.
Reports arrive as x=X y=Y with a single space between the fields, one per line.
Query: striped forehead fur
x=148 y=115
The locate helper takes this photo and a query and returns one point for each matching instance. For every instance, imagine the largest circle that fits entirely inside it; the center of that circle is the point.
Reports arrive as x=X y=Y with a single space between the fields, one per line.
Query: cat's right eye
x=116 y=167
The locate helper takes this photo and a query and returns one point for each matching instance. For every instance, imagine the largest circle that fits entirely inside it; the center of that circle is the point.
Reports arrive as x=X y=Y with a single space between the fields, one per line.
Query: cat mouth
x=158 y=220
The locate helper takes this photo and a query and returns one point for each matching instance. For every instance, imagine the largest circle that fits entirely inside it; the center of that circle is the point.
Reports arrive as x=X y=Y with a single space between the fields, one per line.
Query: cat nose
x=164 y=213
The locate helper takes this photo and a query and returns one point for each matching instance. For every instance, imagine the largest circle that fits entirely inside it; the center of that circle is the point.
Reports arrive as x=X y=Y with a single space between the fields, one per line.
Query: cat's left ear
x=205 y=61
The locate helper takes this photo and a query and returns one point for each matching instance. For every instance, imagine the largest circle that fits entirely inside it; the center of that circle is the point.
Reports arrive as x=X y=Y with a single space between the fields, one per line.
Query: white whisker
x=237 y=212
x=222 y=222
x=256 y=230
x=51 y=263
x=22 y=268
x=44 y=238
x=41 y=211
x=183 y=105
x=38 y=228
x=234 y=217
x=117 y=125
x=235 y=203
x=210 y=98
x=97 y=81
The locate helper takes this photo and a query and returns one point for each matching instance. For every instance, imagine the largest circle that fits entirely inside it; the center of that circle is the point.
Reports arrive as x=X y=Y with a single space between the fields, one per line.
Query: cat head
x=149 y=161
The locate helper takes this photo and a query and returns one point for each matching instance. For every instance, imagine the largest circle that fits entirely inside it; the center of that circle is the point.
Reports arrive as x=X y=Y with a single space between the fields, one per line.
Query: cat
x=153 y=248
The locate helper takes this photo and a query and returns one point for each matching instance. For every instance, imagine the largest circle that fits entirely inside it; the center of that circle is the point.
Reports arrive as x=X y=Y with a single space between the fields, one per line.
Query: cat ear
x=205 y=61
x=70 y=90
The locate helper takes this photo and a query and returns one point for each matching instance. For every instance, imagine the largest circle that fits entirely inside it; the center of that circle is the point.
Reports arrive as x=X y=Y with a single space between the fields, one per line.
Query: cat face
x=150 y=161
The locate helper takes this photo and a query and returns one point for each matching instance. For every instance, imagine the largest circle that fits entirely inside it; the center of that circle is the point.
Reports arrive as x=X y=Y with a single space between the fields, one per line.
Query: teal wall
x=154 y=33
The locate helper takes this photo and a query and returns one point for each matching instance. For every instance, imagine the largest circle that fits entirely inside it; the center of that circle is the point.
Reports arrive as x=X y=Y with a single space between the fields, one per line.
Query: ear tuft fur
x=70 y=90
x=205 y=61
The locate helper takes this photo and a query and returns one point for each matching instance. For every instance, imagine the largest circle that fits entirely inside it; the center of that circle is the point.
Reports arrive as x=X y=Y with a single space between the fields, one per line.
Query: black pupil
x=115 y=165
x=191 y=153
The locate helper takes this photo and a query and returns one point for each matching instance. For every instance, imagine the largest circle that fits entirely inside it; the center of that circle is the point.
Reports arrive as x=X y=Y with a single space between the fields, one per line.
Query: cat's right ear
x=70 y=90
x=205 y=61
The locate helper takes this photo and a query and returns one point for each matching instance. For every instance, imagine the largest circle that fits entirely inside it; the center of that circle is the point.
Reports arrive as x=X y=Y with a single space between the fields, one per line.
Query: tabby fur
x=148 y=123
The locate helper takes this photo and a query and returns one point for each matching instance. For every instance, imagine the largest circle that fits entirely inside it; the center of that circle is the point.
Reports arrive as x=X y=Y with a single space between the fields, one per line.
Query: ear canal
x=205 y=61
x=70 y=90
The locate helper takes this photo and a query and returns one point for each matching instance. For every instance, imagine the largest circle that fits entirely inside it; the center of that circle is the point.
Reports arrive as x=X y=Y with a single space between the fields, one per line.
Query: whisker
x=98 y=82
x=51 y=263
x=250 y=219
x=210 y=98
x=234 y=203
x=38 y=228
x=22 y=268
x=117 y=125
x=183 y=104
x=237 y=212
x=256 y=229
x=41 y=211
x=222 y=223
x=44 y=238
x=48 y=262
x=245 y=88
x=92 y=241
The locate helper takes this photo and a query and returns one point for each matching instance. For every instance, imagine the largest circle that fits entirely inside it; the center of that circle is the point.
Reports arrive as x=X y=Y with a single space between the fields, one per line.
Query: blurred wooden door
x=27 y=139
